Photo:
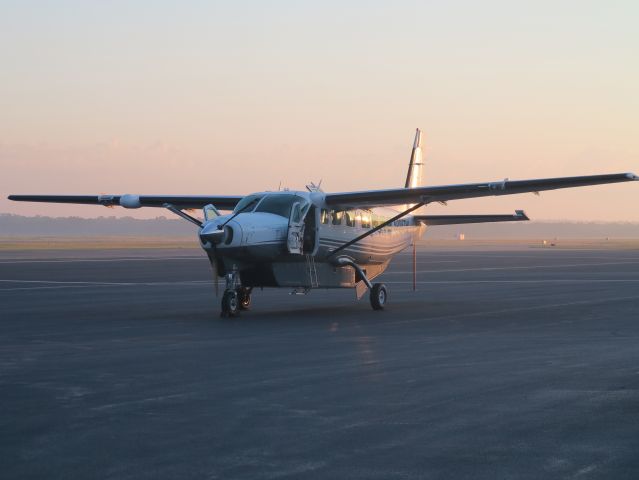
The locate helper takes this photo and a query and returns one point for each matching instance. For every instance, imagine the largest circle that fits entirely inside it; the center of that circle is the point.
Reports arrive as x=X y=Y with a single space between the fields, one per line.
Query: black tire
x=244 y=297
x=230 y=304
x=379 y=296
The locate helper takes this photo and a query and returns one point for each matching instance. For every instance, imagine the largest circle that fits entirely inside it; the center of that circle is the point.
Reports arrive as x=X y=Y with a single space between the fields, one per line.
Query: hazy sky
x=233 y=97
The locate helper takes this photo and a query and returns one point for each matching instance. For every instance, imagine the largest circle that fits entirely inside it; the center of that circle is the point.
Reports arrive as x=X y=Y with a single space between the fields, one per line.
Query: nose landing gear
x=236 y=297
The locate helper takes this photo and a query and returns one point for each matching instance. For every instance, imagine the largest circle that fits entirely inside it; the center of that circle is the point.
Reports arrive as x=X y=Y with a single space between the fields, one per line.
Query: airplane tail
x=416 y=165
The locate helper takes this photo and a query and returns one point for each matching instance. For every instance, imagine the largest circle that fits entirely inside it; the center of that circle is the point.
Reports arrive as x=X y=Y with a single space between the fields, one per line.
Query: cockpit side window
x=296 y=213
x=337 y=217
x=281 y=204
x=324 y=216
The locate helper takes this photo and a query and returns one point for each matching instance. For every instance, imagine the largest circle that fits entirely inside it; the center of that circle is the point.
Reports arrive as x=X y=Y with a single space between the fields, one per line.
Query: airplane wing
x=457 y=219
x=397 y=196
x=136 y=201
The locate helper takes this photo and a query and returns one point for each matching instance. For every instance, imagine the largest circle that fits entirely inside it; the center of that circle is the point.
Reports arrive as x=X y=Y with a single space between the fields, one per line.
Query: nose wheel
x=230 y=304
x=235 y=296
x=236 y=300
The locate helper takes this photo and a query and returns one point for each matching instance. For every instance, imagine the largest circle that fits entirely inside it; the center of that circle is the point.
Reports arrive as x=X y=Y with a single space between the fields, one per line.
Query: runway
x=506 y=363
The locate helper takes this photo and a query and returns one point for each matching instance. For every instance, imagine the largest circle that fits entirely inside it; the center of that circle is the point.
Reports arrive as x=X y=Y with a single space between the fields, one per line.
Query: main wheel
x=379 y=296
x=230 y=304
x=244 y=297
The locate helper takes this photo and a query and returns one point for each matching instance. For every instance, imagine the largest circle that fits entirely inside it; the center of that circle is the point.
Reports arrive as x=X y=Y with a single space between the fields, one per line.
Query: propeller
x=216 y=278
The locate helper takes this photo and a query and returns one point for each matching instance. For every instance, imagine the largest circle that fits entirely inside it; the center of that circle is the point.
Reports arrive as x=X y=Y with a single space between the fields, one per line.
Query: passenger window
x=324 y=217
x=366 y=220
x=337 y=217
x=350 y=219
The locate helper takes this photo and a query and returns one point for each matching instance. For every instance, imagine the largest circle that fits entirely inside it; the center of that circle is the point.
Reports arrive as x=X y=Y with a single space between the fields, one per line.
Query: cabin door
x=295 y=236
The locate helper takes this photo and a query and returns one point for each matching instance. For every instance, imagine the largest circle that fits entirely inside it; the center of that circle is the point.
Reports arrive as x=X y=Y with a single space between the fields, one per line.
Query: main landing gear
x=378 y=296
x=378 y=291
x=236 y=297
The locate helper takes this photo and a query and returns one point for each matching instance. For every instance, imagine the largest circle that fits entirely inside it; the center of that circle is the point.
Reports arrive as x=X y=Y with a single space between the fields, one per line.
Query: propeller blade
x=216 y=278
x=217 y=281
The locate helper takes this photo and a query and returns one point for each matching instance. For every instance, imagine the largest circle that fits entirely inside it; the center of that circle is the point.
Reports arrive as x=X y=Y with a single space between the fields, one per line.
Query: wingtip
x=521 y=215
x=632 y=176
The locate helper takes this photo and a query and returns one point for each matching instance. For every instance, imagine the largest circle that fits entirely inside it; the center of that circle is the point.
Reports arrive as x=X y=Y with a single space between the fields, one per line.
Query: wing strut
x=378 y=227
x=180 y=213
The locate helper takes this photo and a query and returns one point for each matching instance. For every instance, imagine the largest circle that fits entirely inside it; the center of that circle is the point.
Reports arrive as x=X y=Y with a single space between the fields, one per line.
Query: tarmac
x=508 y=362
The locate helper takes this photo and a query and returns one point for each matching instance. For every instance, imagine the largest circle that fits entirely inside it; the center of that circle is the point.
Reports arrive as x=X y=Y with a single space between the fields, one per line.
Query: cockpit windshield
x=280 y=204
x=248 y=203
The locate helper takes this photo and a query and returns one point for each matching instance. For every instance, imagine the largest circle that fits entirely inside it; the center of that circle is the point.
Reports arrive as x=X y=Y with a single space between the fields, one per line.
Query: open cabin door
x=295 y=236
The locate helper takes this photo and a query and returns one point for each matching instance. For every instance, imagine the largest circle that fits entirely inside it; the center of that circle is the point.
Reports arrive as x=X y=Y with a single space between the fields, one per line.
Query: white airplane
x=312 y=239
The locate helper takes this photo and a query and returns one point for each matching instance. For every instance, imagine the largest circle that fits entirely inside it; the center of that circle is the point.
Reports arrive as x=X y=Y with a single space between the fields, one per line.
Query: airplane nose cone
x=211 y=233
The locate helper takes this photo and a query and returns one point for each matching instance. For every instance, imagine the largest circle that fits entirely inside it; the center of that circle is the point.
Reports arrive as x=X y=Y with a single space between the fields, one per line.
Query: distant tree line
x=17 y=225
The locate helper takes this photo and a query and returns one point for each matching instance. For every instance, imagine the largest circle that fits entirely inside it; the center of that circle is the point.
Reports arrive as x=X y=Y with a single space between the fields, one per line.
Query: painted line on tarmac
x=521 y=267
x=421 y=256
x=100 y=283
x=501 y=254
x=59 y=282
x=162 y=398
x=82 y=260
x=435 y=261
x=50 y=284
x=563 y=280
x=52 y=288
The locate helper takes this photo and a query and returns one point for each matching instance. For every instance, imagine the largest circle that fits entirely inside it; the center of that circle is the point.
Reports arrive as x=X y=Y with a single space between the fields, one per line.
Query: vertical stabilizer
x=416 y=165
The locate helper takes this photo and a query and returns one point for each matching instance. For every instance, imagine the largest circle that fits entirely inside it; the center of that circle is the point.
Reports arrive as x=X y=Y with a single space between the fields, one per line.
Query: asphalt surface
x=513 y=363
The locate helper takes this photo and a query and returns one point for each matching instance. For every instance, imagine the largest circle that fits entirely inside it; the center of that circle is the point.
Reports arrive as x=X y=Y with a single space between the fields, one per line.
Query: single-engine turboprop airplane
x=312 y=239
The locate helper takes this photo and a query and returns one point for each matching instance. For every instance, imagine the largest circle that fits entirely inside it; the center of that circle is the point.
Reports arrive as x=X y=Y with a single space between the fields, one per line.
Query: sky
x=208 y=97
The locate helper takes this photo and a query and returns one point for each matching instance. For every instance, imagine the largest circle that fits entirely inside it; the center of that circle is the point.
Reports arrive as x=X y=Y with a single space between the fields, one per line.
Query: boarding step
x=311 y=270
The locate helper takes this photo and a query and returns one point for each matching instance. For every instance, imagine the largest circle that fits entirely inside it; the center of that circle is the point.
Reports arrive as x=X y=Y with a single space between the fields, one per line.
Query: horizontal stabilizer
x=457 y=219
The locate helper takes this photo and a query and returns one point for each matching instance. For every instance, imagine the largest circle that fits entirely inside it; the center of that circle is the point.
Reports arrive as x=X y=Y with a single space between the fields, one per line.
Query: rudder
x=416 y=164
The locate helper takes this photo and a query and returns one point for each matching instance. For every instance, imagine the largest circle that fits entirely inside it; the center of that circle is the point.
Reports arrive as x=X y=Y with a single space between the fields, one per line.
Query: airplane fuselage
x=256 y=242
